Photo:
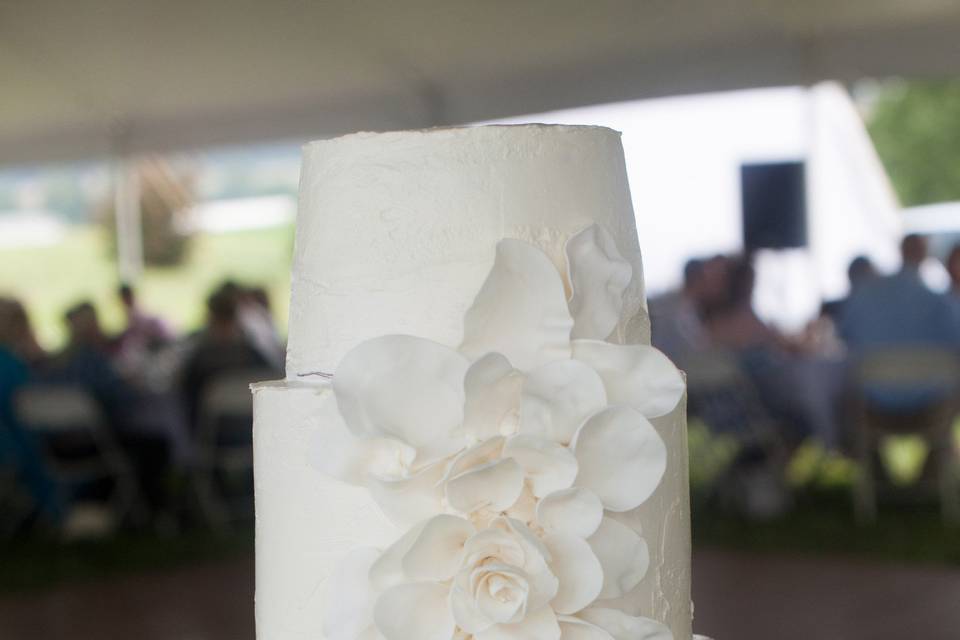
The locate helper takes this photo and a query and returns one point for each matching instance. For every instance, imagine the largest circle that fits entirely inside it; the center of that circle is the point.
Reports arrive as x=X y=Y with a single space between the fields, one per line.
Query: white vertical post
x=126 y=190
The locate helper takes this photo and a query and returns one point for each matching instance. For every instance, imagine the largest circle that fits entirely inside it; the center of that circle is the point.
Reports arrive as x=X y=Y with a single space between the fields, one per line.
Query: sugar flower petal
x=626 y=627
x=535 y=563
x=407 y=501
x=466 y=613
x=335 y=451
x=578 y=570
x=557 y=397
x=538 y=625
x=623 y=555
x=573 y=628
x=350 y=597
x=437 y=552
x=494 y=485
x=547 y=465
x=492 y=388
x=387 y=570
x=621 y=457
x=414 y=610
x=598 y=275
x=575 y=511
x=520 y=311
x=479 y=454
x=637 y=375
x=406 y=388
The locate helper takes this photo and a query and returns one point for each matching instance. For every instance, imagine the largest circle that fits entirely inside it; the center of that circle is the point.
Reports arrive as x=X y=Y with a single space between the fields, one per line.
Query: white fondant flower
x=505 y=579
x=406 y=388
x=637 y=375
x=520 y=311
x=620 y=457
x=557 y=397
x=621 y=626
x=623 y=555
x=504 y=461
x=598 y=275
x=492 y=396
x=574 y=511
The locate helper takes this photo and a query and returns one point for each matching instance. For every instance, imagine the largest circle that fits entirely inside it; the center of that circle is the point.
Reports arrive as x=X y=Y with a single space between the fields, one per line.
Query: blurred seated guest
x=900 y=311
x=257 y=322
x=677 y=318
x=144 y=332
x=953 y=269
x=85 y=362
x=18 y=451
x=221 y=347
x=16 y=334
x=860 y=272
x=801 y=390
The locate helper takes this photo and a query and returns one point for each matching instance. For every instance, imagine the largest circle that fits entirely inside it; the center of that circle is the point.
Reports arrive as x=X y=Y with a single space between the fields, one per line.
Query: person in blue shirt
x=18 y=452
x=900 y=311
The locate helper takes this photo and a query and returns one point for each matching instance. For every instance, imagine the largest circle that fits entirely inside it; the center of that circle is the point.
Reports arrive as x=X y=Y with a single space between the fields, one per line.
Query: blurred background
x=795 y=169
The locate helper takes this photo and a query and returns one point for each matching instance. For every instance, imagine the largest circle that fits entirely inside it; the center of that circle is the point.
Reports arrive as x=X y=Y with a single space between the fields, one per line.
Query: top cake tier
x=397 y=231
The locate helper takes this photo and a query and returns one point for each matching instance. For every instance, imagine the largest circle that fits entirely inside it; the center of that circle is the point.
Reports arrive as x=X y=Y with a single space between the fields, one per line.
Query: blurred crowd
x=807 y=385
x=152 y=389
x=148 y=385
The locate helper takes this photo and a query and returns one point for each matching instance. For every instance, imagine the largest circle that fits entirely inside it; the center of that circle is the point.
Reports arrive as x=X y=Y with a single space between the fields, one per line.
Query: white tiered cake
x=474 y=439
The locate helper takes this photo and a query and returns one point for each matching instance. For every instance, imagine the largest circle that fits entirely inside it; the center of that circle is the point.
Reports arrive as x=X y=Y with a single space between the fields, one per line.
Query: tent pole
x=129 y=229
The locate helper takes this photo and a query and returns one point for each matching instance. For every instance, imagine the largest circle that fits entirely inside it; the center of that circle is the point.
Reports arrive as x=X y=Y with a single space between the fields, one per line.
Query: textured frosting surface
x=395 y=235
x=305 y=520
x=397 y=231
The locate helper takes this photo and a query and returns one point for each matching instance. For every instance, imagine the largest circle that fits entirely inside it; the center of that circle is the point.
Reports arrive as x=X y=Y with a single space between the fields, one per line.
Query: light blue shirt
x=899 y=310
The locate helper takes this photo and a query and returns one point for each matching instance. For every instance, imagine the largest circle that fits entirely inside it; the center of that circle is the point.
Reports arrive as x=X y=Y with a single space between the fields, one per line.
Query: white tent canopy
x=81 y=79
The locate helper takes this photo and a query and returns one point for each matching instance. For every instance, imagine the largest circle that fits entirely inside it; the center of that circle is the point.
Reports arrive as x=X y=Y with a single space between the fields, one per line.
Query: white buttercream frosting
x=424 y=442
x=397 y=231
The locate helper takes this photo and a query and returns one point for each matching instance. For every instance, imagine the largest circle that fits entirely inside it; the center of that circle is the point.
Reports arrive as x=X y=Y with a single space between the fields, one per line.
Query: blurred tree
x=166 y=196
x=916 y=128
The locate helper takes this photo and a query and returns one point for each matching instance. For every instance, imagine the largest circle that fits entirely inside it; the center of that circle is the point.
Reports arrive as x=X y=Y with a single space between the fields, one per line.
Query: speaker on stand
x=774 y=211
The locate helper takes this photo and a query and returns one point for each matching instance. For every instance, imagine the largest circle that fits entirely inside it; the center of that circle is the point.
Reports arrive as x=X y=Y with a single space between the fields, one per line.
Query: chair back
x=57 y=408
x=910 y=367
x=227 y=399
x=726 y=398
x=713 y=370
x=78 y=445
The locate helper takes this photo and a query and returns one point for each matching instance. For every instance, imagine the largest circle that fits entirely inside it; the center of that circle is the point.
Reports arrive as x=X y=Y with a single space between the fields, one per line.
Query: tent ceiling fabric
x=81 y=79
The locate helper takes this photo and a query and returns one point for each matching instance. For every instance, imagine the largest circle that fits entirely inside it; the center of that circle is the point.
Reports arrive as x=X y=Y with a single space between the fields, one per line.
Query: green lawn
x=49 y=279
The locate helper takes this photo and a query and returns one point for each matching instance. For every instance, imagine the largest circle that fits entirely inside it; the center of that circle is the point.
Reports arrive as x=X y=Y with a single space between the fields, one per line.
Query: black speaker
x=774 y=203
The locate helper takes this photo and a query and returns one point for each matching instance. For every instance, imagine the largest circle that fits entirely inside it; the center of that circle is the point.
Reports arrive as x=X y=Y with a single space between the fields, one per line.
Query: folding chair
x=722 y=395
x=225 y=444
x=904 y=370
x=78 y=446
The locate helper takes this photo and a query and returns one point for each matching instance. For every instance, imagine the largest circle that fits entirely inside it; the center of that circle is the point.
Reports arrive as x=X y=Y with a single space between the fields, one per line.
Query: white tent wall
x=683 y=160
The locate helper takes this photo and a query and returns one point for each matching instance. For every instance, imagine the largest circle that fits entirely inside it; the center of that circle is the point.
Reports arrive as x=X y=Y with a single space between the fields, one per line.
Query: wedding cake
x=474 y=438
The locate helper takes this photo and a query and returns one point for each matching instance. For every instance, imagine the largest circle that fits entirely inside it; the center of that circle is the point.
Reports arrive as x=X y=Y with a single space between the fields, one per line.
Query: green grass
x=49 y=279
x=821 y=521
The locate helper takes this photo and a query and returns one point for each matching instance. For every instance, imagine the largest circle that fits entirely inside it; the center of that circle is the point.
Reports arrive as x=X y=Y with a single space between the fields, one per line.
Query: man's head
x=126 y=295
x=222 y=311
x=860 y=270
x=913 y=249
x=83 y=323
